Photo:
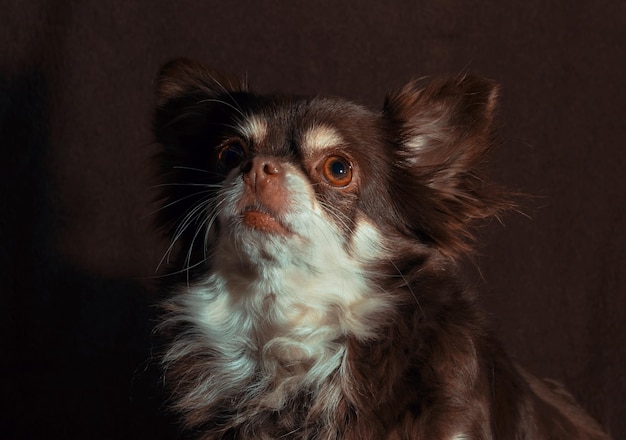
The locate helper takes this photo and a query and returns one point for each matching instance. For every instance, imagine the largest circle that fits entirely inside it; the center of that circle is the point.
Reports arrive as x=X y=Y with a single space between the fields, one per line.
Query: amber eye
x=337 y=171
x=231 y=156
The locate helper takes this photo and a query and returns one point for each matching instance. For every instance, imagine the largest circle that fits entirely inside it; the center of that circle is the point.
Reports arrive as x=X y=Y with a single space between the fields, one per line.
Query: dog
x=321 y=243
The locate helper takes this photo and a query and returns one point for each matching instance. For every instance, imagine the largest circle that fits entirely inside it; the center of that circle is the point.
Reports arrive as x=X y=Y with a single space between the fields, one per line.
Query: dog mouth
x=263 y=221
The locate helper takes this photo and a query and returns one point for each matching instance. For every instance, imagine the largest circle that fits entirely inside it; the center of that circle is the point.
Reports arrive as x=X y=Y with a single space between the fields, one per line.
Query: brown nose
x=261 y=171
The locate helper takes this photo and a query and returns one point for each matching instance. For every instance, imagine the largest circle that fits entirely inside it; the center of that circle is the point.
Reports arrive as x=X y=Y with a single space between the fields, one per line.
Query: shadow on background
x=77 y=349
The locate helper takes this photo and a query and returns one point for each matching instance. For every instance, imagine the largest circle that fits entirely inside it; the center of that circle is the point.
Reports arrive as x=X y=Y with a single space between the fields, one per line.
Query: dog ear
x=189 y=94
x=183 y=77
x=443 y=135
x=445 y=124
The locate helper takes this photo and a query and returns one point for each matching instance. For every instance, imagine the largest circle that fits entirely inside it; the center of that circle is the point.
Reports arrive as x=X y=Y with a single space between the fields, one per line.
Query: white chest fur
x=275 y=332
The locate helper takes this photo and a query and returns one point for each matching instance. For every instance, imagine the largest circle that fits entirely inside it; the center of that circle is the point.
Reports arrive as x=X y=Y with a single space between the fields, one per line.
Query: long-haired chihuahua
x=321 y=243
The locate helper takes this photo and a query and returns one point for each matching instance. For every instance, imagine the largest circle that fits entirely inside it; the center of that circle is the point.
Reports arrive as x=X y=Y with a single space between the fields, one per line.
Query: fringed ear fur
x=188 y=94
x=183 y=77
x=443 y=134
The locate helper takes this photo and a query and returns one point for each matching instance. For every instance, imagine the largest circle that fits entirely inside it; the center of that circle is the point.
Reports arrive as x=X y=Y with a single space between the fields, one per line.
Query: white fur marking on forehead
x=321 y=137
x=254 y=128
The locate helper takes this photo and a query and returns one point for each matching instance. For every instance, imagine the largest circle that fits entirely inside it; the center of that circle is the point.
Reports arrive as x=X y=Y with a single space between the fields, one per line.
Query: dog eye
x=231 y=156
x=337 y=171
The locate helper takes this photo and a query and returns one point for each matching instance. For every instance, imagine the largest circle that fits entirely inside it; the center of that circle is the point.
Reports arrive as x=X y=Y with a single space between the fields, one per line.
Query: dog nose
x=261 y=170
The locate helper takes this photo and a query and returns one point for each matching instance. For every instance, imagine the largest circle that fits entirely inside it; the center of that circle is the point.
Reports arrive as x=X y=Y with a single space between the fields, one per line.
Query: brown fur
x=433 y=370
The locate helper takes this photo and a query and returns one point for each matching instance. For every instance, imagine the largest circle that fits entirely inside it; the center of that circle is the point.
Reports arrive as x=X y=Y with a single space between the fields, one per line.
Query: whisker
x=187 y=220
x=406 y=283
x=209 y=227
x=206 y=224
x=156 y=211
x=206 y=185
x=347 y=222
x=178 y=272
x=190 y=169
x=203 y=214
x=227 y=92
x=220 y=101
x=190 y=250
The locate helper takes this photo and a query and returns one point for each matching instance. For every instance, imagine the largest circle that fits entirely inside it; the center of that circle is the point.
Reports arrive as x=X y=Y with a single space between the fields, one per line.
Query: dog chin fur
x=321 y=245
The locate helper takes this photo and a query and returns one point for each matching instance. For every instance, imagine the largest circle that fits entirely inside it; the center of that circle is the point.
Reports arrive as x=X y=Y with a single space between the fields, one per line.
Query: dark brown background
x=77 y=249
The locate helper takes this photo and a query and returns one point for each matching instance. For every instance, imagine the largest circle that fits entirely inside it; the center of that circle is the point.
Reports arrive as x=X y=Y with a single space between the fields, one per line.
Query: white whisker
x=181 y=199
x=220 y=101
x=187 y=220
x=190 y=169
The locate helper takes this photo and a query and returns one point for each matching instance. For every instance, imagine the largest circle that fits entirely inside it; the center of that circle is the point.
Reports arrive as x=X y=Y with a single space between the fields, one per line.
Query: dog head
x=286 y=180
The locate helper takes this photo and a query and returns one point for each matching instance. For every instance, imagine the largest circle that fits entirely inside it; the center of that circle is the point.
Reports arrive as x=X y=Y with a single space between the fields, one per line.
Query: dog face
x=274 y=180
x=292 y=192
